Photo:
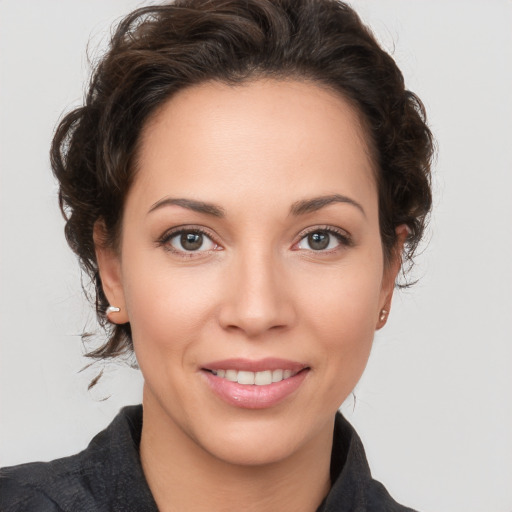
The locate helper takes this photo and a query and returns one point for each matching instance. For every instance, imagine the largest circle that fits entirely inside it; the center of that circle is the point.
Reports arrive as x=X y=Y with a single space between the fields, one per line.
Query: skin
x=258 y=289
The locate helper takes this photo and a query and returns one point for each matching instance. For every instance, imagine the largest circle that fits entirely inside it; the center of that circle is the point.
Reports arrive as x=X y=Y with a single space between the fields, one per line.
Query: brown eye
x=318 y=241
x=323 y=240
x=190 y=241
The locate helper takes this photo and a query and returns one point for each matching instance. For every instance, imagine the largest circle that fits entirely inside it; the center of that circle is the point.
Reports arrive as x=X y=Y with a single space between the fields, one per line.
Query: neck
x=183 y=476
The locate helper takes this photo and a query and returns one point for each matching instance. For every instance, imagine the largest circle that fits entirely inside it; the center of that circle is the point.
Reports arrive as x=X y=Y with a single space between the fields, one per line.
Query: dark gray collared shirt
x=107 y=476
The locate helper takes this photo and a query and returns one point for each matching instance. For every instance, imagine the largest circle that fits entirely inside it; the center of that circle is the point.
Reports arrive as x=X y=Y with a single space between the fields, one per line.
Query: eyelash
x=164 y=240
x=342 y=236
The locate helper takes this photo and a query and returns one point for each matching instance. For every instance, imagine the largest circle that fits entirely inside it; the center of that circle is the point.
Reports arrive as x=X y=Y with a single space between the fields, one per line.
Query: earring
x=112 y=309
x=383 y=315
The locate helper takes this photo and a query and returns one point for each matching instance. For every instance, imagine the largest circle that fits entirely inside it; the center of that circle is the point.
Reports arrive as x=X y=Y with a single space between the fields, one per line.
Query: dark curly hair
x=158 y=50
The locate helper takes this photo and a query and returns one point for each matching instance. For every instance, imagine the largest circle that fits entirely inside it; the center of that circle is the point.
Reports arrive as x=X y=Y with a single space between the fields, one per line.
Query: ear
x=389 y=276
x=109 y=267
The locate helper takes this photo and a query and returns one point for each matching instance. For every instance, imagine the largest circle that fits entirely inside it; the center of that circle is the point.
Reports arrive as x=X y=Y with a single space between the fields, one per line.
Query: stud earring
x=383 y=315
x=112 y=309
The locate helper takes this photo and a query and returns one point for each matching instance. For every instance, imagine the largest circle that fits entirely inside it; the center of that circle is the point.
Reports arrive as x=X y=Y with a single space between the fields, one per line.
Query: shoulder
x=378 y=499
x=353 y=487
x=38 y=485
x=88 y=481
x=66 y=484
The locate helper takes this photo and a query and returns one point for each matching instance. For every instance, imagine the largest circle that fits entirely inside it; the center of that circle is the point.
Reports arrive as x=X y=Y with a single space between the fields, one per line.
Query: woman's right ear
x=109 y=268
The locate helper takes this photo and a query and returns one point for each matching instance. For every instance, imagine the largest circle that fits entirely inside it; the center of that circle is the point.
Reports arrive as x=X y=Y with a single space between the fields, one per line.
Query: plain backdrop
x=434 y=407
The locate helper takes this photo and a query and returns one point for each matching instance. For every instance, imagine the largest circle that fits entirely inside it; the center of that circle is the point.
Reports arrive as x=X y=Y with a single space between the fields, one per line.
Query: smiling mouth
x=254 y=384
x=261 y=378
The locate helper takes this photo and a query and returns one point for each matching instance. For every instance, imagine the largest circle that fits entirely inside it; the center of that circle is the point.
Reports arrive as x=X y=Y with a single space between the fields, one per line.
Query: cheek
x=167 y=307
x=343 y=336
x=345 y=295
x=341 y=311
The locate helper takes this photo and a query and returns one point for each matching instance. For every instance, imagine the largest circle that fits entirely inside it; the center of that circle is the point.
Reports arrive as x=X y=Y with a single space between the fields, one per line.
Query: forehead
x=257 y=139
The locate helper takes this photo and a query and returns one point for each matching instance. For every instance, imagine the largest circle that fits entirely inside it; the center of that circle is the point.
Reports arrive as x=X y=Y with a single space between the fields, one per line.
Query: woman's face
x=250 y=253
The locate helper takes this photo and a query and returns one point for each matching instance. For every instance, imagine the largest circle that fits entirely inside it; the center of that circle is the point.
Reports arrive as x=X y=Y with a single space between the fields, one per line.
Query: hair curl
x=158 y=50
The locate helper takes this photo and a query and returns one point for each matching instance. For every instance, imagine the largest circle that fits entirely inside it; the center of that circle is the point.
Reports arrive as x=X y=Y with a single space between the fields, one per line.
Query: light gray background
x=434 y=407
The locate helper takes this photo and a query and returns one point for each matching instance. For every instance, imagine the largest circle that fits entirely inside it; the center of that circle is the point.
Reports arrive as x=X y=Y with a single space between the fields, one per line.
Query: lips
x=254 y=384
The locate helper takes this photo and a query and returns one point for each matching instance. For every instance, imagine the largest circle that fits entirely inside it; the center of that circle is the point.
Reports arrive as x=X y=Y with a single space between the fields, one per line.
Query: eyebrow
x=316 y=203
x=298 y=208
x=190 y=204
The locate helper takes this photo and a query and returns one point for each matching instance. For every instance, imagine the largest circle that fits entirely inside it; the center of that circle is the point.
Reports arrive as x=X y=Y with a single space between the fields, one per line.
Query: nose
x=259 y=298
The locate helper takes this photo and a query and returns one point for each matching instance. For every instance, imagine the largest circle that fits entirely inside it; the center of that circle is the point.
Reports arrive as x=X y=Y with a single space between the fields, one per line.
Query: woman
x=243 y=183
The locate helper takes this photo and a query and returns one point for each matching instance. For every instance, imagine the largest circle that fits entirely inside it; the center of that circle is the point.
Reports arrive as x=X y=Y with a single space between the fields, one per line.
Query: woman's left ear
x=389 y=276
x=109 y=268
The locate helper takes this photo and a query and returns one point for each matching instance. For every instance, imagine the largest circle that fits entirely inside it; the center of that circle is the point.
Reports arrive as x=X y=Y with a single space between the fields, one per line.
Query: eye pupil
x=318 y=240
x=191 y=241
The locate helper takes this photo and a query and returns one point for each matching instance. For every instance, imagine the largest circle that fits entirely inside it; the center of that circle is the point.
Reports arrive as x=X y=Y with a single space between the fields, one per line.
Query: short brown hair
x=158 y=50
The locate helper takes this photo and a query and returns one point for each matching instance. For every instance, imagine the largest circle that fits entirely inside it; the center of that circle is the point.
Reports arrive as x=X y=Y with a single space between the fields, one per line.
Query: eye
x=189 y=240
x=322 y=240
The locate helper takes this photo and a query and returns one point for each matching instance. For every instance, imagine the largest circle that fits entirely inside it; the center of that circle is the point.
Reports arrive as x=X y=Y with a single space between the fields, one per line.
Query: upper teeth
x=258 y=378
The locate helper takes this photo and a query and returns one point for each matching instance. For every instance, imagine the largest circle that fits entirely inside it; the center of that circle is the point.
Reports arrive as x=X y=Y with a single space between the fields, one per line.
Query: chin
x=259 y=438
x=253 y=447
